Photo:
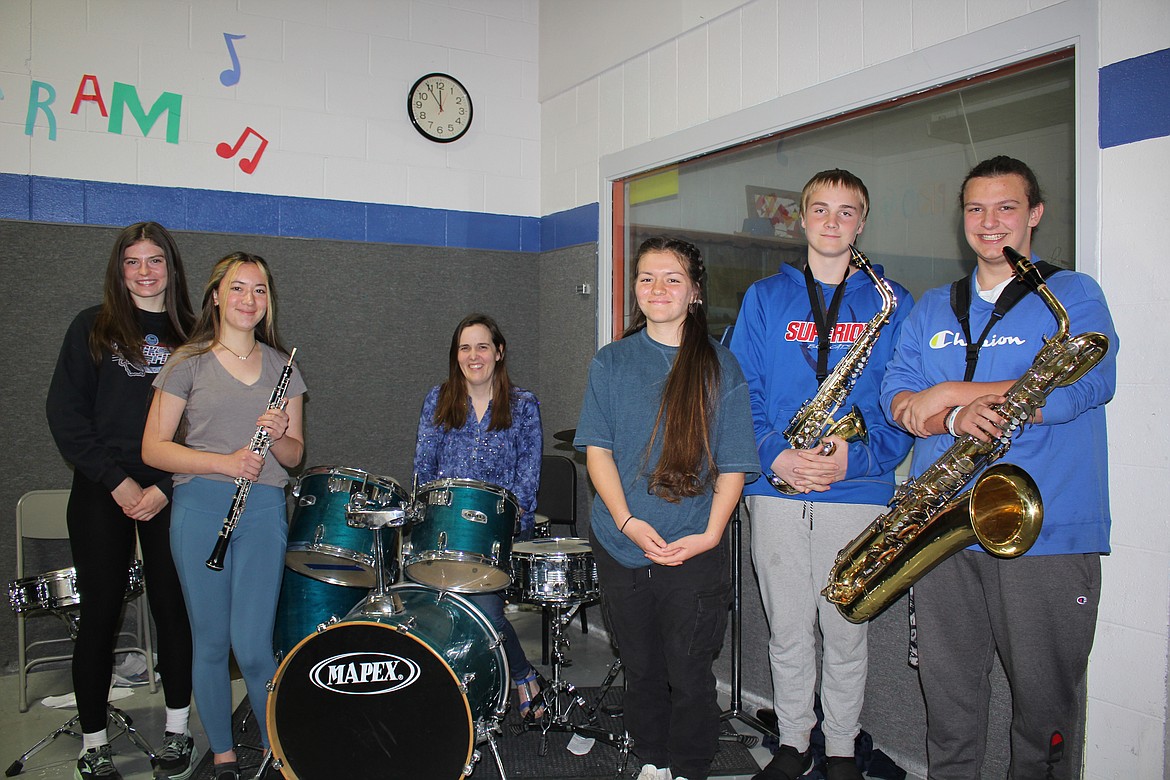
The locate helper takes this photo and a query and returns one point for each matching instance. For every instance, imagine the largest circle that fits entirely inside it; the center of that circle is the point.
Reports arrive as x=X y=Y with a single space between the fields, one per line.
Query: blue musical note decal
x=231 y=75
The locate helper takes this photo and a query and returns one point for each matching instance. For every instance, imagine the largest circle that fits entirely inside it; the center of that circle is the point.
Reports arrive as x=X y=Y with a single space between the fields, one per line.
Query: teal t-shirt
x=621 y=404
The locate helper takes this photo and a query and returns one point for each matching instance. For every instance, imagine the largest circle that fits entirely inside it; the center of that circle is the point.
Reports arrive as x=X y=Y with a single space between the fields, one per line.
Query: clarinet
x=259 y=445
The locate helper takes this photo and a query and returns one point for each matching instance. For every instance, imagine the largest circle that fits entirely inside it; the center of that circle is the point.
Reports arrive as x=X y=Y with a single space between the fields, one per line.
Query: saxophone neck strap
x=961 y=306
x=826 y=321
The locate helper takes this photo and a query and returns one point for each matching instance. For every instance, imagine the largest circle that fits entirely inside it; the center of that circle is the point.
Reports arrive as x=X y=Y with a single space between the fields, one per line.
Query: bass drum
x=383 y=696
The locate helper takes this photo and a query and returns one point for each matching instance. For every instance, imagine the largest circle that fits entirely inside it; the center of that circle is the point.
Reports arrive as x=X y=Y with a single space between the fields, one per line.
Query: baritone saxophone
x=928 y=521
x=814 y=421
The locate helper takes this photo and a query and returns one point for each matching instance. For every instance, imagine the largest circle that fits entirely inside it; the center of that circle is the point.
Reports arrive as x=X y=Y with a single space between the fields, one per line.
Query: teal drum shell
x=464 y=541
x=322 y=544
x=306 y=603
x=460 y=634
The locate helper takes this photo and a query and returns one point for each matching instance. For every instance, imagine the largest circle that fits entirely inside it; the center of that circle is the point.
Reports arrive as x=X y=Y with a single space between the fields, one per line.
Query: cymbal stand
x=735 y=711
x=122 y=722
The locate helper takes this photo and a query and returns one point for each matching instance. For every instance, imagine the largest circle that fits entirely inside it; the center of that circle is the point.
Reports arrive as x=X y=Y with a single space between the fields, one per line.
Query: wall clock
x=439 y=107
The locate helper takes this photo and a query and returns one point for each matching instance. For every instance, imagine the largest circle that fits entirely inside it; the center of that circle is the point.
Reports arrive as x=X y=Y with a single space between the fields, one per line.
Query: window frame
x=1001 y=49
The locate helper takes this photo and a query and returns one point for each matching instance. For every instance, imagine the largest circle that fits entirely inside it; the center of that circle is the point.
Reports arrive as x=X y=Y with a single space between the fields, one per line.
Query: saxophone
x=928 y=521
x=814 y=420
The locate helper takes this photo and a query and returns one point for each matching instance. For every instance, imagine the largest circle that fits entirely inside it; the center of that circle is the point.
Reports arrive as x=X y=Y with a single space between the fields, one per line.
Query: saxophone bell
x=1002 y=512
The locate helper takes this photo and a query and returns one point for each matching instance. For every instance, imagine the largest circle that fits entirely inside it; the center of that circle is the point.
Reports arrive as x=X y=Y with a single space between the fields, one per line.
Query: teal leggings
x=234 y=609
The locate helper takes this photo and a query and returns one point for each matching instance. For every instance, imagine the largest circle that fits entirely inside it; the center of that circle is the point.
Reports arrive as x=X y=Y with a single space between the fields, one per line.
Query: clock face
x=439 y=107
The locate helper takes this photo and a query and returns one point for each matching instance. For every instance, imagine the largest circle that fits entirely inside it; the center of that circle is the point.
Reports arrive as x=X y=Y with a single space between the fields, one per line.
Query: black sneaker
x=228 y=771
x=176 y=759
x=787 y=764
x=97 y=762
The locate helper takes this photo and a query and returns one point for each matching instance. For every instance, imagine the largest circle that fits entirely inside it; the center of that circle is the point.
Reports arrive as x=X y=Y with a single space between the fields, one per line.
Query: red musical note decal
x=231 y=75
x=247 y=165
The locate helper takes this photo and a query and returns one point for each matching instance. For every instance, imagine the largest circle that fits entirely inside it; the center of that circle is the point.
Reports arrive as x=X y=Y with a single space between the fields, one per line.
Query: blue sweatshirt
x=1066 y=454
x=776 y=343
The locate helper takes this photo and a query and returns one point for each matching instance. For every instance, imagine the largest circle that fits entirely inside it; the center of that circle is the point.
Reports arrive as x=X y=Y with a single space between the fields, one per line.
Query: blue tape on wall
x=45 y=199
x=1135 y=99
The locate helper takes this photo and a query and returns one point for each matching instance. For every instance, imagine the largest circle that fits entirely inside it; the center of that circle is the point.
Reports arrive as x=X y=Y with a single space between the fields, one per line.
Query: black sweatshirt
x=97 y=411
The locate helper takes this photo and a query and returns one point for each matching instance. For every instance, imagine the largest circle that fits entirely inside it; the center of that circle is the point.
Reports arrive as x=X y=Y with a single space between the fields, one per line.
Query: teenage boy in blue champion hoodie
x=1039 y=611
x=795 y=538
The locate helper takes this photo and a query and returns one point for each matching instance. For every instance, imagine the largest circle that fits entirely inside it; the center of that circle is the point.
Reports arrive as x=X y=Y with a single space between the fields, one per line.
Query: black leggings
x=102 y=540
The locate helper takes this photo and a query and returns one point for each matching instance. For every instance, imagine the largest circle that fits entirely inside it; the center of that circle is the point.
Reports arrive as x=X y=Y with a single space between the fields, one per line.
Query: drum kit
x=411 y=677
x=55 y=593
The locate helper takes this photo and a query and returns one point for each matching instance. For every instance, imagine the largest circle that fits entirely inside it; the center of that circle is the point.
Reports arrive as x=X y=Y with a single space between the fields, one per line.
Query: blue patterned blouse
x=509 y=458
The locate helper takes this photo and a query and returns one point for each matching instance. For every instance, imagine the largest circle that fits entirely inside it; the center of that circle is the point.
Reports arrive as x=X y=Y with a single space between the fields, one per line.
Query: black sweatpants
x=668 y=624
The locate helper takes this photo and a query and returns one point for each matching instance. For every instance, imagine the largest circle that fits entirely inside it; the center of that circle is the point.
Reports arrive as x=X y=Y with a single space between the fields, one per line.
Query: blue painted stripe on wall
x=1135 y=99
x=569 y=228
x=45 y=199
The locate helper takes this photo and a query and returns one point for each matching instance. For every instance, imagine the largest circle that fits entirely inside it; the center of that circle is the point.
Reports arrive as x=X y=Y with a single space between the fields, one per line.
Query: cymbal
x=566 y=435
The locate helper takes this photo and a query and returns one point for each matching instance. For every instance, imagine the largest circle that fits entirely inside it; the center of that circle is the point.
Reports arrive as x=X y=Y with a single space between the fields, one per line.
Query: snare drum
x=57 y=590
x=395 y=696
x=338 y=511
x=554 y=571
x=464 y=540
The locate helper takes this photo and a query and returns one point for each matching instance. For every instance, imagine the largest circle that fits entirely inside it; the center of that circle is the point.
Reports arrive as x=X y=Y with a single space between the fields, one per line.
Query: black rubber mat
x=526 y=753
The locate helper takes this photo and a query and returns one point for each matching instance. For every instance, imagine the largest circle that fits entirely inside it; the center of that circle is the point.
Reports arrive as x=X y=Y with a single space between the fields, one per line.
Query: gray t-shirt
x=621 y=403
x=221 y=410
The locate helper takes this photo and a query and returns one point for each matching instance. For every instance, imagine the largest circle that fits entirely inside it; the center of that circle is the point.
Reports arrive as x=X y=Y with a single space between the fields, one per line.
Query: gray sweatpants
x=1039 y=613
x=794 y=545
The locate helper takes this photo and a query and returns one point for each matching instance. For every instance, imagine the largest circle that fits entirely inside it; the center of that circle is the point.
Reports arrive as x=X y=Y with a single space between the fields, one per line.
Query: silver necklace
x=237 y=354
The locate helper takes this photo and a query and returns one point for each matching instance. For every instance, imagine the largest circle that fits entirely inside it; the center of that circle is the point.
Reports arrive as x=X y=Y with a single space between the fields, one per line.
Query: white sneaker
x=651 y=772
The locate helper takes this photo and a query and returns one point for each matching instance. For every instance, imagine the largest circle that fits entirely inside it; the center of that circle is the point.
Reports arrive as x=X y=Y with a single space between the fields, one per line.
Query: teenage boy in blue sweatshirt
x=795 y=538
x=1039 y=611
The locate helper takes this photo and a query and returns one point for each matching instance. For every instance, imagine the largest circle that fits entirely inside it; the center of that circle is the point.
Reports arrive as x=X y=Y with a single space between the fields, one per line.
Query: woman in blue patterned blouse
x=478 y=425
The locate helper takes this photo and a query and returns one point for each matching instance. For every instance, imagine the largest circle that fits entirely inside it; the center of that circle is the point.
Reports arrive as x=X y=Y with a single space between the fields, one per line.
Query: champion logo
x=364 y=674
x=843 y=332
x=953 y=338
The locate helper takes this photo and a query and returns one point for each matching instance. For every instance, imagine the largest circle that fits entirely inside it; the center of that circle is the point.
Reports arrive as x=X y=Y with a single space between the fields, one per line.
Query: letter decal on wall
x=126 y=96
x=227 y=151
x=231 y=75
x=95 y=96
x=36 y=104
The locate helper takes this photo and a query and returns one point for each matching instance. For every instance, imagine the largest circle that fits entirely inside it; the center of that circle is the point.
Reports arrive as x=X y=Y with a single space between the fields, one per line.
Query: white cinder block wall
x=324 y=82
x=613 y=94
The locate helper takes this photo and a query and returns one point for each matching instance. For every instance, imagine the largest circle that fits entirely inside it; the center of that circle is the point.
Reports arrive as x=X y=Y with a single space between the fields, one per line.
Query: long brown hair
x=451 y=409
x=116 y=328
x=687 y=466
x=206 y=331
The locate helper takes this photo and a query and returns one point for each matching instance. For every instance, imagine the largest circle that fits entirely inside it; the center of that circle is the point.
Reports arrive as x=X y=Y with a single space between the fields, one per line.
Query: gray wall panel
x=372 y=324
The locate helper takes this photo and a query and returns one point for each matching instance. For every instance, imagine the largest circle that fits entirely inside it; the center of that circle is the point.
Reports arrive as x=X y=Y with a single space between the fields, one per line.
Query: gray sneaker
x=176 y=759
x=97 y=762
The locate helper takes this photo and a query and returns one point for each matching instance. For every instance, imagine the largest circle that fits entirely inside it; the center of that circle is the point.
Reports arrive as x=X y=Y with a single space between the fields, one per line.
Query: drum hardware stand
x=123 y=723
x=735 y=711
x=560 y=696
x=487 y=733
x=381 y=600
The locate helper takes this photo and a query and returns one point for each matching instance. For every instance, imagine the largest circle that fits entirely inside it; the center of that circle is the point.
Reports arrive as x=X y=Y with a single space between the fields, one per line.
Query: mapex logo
x=364 y=674
x=952 y=338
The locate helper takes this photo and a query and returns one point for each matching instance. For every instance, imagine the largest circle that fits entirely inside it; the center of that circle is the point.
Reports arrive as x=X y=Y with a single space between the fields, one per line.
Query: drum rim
x=273 y=694
x=347 y=471
x=464 y=482
x=522 y=548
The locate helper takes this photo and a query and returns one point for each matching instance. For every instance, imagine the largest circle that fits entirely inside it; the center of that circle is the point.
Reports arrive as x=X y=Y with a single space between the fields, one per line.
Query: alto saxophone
x=928 y=521
x=814 y=420
x=259 y=444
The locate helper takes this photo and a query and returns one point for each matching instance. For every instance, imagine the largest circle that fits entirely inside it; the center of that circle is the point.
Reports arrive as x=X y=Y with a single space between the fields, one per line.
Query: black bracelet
x=622 y=530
